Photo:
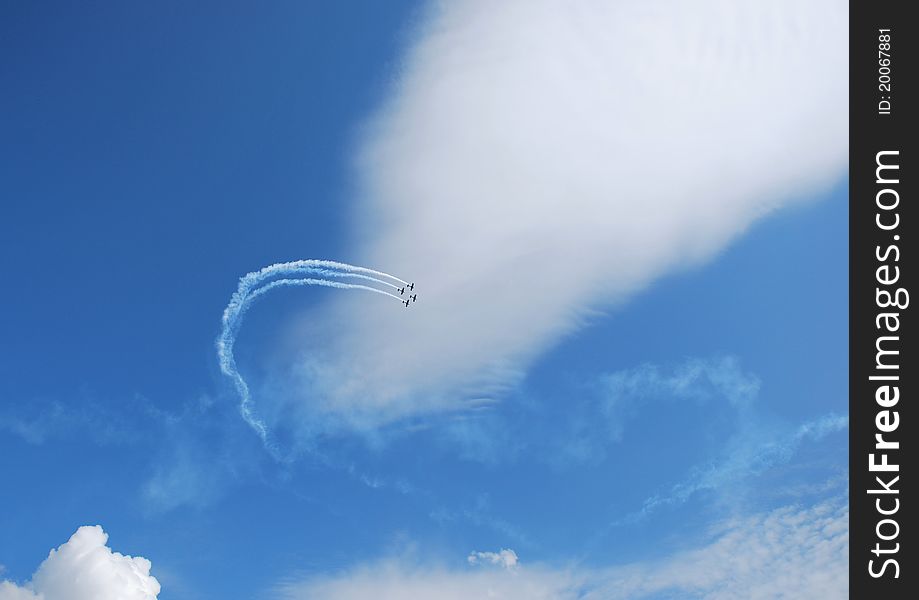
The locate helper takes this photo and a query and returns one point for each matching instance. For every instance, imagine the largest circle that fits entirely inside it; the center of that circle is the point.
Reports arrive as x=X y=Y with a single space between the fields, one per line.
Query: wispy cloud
x=480 y=514
x=202 y=451
x=527 y=171
x=618 y=398
x=591 y=426
x=195 y=452
x=592 y=419
x=791 y=552
x=83 y=417
x=742 y=459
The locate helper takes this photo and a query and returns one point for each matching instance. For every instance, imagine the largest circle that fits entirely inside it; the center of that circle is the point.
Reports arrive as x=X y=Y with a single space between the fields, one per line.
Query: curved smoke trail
x=253 y=279
x=335 y=274
x=254 y=285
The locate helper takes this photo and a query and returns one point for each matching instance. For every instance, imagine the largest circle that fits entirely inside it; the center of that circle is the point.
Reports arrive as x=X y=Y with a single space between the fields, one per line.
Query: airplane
x=405 y=302
x=412 y=286
x=414 y=297
x=402 y=291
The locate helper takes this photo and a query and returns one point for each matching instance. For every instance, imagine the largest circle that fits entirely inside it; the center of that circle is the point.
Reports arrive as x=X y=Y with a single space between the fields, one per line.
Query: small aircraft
x=412 y=286
x=406 y=302
x=402 y=291
x=414 y=297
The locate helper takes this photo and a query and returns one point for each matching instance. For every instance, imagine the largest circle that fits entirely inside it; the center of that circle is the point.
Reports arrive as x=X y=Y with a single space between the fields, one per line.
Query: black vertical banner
x=883 y=374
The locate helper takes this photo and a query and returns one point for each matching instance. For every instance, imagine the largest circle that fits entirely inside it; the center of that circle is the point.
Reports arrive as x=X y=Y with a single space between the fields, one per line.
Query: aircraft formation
x=411 y=298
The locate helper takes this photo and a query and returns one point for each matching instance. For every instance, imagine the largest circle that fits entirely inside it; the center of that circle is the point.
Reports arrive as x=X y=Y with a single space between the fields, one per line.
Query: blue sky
x=619 y=411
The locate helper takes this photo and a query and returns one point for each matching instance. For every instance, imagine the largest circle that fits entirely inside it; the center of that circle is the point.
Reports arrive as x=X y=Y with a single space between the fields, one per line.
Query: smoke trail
x=336 y=274
x=256 y=284
x=254 y=278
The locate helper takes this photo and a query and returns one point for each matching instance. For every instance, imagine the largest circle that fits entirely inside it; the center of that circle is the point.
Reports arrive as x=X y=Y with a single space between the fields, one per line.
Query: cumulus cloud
x=85 y=568
x=539 y=160
x=791 y=552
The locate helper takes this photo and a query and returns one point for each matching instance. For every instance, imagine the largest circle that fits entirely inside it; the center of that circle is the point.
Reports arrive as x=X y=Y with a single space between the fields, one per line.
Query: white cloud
x=85 y=568
x=11 y=591
x=504 y=558
x=541 y=159
x=396 y=580
x=788 y=553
